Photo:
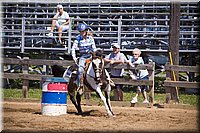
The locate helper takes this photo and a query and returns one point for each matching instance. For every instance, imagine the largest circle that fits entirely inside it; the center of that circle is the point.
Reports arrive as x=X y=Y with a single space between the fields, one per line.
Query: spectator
x=116 y=57
x=141 y=75
x=84 y=43
x=60 y=21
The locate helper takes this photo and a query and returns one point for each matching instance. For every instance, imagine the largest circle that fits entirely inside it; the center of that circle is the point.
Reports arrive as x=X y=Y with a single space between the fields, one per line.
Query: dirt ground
x=26 y=116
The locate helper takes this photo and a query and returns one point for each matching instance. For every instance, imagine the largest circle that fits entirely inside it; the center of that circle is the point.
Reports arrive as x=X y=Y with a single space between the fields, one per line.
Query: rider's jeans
x=81 y=64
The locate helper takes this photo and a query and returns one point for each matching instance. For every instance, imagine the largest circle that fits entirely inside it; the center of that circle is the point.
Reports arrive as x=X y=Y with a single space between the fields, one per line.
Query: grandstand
x=132 y=24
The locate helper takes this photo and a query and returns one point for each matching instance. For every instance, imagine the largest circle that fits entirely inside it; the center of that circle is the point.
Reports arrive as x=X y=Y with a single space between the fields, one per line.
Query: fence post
x=119 y=30
x=25 y=82
x=70 y=36
x=23 y=34
x=170 y=91
x=151 y=87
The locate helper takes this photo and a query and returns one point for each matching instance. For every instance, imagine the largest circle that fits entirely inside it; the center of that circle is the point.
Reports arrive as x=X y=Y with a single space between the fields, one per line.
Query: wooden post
x=151 y=87
x=25 y=82
x=171 y=93
x=168 y=89
x=174 y=40
x=191 y=63
x=87 y=95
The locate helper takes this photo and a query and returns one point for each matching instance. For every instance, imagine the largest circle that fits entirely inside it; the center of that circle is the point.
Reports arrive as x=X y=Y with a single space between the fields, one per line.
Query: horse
x=95 y=78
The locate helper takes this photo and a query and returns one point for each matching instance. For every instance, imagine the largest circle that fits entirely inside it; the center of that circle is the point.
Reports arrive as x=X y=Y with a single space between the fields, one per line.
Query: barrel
x=54 y=96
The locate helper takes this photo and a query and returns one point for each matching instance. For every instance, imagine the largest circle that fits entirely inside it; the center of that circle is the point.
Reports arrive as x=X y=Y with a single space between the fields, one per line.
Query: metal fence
x=142 y=25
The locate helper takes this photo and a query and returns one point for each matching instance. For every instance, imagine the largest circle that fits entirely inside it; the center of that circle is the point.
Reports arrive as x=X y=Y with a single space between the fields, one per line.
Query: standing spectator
x=60 y=21
x=84 y=43
x=141 y=75
x=116 y=57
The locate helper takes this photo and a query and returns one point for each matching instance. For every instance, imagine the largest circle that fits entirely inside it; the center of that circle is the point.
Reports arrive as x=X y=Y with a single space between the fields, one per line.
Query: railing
x=172 y=85
x=134 y=82
x=130 y=24
x=25 y=74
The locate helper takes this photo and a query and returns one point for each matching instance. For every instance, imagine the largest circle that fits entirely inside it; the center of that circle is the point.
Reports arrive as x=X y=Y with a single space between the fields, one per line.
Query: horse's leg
x=72 y=98
x=107 y=95
x=98 y=90
x=78 y=99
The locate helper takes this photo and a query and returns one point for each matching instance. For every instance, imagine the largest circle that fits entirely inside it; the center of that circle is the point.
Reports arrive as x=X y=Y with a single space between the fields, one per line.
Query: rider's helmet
x=82 y=27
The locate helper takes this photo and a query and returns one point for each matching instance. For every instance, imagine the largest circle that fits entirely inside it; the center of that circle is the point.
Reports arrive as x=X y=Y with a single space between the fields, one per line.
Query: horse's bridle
x=98 y=71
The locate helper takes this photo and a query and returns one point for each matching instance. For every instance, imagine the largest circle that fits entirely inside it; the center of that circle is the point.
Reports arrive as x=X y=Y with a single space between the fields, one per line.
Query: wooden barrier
x=150 y=82
x=170 y=84
x=25 y=75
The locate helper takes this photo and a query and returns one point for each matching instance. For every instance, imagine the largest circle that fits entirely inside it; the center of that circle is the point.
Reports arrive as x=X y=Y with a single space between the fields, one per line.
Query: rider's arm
x=93 y=44
x=74 y=47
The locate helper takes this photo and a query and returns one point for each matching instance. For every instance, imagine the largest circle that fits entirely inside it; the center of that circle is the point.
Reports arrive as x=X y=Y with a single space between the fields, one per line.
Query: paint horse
x=96 y=78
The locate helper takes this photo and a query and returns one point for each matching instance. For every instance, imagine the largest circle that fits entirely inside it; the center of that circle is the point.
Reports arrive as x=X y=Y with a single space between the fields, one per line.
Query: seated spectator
x=141 y=75
x=60 y=21
x=116 y=57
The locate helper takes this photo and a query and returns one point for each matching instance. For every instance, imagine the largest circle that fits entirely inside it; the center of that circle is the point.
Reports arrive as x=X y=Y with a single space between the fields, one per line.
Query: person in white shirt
x=141 y=75
x=60 y=21
x=116 y=57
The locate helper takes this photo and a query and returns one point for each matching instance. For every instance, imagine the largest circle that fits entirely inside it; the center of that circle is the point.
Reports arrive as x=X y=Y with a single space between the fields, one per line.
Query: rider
x=85 y=44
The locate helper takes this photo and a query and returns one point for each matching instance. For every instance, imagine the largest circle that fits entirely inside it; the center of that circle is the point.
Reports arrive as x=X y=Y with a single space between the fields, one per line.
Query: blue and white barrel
x=54 y=96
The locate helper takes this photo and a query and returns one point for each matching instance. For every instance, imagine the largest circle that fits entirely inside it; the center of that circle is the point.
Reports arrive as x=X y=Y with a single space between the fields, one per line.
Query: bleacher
x=132 y=24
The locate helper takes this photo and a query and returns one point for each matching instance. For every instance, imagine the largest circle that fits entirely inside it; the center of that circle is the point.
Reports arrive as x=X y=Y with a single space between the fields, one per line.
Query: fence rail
x=26 y=76
x=172 y=85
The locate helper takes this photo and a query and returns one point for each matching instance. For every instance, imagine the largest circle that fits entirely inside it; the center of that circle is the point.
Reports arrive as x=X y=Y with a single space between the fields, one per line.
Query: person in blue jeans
x=141 y=75
x=84 y=43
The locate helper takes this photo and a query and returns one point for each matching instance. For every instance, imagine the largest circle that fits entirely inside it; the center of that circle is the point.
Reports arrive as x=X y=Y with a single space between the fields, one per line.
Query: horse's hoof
x=111 y=115
x=78 y=113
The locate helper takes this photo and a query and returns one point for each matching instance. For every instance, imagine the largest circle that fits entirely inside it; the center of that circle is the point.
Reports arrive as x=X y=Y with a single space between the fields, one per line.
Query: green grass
x=159 y=98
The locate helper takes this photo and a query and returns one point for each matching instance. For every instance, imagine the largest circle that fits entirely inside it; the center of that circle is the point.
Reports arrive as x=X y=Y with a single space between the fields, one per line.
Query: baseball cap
x=59 y=6
x=115 y=45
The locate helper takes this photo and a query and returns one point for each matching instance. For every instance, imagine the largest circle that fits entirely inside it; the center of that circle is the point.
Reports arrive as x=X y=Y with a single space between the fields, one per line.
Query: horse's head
x=98 y=64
